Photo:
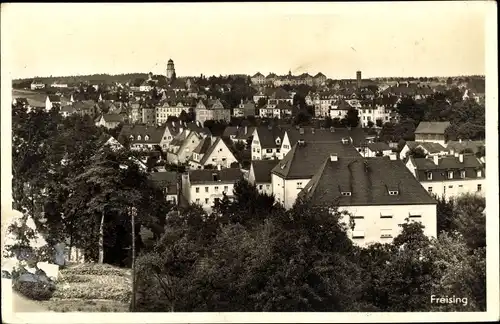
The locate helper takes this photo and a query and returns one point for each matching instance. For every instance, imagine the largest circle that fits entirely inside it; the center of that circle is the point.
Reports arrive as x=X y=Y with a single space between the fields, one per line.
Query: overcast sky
x=380 y=39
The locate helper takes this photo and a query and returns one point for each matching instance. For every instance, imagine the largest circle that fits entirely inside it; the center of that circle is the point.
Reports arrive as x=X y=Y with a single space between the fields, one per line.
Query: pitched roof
x=167 y=179
x=68 y=109
x=458 y=146
x=310 y=134
x=369 y=181
x=447 y=164
x=431 y=147
x=303 y=160
x=262 y=170
x=213 y=144
x=280 y=93
x=113 y=118
x=319 y=75
x=268 y=136
x=258 y=74
x=202 y=148
x=432 y=127
x=54 y=98
x=84 y=105
x=378 y=146
x=155 y=133
x=215 y=176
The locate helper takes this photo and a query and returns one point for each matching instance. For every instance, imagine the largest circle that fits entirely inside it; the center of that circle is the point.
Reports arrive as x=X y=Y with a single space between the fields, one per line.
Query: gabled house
x=35 y=85
x=244 y=109
x=212 y=109
x=297 y=168
x=260 y=175
x=168 y=182
x=238 y=134
x=377 y=149
x=319 y=78
x=266 y=142
x=110 y=121
x=379 y=194
x=449 y=176
x=460 y=146
x=182 y=146
x=67 y=110
x=143 y=137
x=258 y=78
x=212 y=151
x=51 y=101
x=431 y=132
x=205 y=187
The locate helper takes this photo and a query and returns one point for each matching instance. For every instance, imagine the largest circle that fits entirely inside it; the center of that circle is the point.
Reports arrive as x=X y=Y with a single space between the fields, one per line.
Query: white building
x=204 y=187
x=168 y=182
x=35 y=85
x=428 y=148
x=260 y=175
x=212 y=151
x=266 y=143
x=449 y=176
x=379 y=193
x=167 y=109
x=297 y=168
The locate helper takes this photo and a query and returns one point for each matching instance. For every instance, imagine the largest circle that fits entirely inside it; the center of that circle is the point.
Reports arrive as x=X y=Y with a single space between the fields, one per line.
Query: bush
x=34 y=290
x=95 y=270
x=94 y=291
x=74 y=278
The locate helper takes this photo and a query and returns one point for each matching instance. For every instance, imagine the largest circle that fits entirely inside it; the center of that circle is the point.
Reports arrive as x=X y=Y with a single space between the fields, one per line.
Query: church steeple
x=170 y=69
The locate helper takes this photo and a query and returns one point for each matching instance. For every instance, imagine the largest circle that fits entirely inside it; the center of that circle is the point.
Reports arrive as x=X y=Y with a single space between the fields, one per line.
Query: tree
x=470 y=220
x=379 y=123
x=370 y=124
x=261 y=102
x=352 y=118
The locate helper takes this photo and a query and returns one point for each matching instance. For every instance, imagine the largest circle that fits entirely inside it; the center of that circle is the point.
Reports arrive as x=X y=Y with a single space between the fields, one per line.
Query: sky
x=379 y=39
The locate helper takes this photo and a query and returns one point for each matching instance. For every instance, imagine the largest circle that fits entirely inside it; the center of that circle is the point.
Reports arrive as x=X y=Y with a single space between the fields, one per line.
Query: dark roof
x=320 y=75
x=280 y=94
x=378 y=146
x=68 y=109
x=431 y=147
x=458 y=146
x=155 y=133
x=214 y=176
x=112 y=118
x=167 y=179
x=267 y=136
x=202 y=148
x=310 y=134
x=446 y=164
x=262 y=170
x=303 y=160
x=211 y=148
x=84 y=105
x=432 y=127
x=258 y=74
x=369 y=181
x=54 y=98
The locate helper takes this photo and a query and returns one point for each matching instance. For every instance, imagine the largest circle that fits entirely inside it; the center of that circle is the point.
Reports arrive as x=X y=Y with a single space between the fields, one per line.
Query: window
x=268 y=186
x=197 y=189
x=479 y=187
x=213 y=159
x=223 y=159
x=393 y=192
x=260 y=187
x=415 y=214
x=206 y=189
x=450 y=174
x=386 y=233
x=269 y=151
x=429 y=175
x=460 y=186
x=429 y=189
x=299 y=185
x=286 y=147
x=197 y=200
x=358 y=234
x=358 y=217
x=462 y=174
x=216 y=189
x=386 y=214
x=216 y=200
x=451 y=187
x=226 y=188
x=345 y=193
x=479 y=173
x=206 y=201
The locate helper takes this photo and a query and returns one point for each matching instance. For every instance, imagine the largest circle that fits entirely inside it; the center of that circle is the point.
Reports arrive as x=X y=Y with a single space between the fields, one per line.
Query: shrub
x=74 y=278
x=95 y=270
x=34 y=290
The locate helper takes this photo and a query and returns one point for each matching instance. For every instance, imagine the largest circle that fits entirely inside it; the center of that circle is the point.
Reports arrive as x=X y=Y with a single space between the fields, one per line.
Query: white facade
x=36 y=86
x=165 y=111
x=205 y=194
x=373 y=114
x=220 y=155
x=286 y=191
x=379 y=224
x=259 y=153
x=262 y=187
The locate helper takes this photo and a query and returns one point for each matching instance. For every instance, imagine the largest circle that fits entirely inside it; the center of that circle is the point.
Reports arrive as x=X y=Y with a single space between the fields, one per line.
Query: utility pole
x=133 y=213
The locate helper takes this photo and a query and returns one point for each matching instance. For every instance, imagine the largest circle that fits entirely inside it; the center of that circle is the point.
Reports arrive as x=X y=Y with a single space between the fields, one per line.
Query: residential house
x=297 y=168
x=263 y=93
x=428 y=148
x=449 y=176
x=431 y=132
x=212 y=151
x=35 y=85
x=67 y=110
x=239 y=134
x=23 y=102
x=461 y=146
x=377 y=149
x=319 y=79
x=168 y=182
x=57 y=84
x=258 y=78
x=135 y=112
x=205 y=187
x=244 y=109
x=266 y=142
x=86 y=107
x=339 y=109
x=378 y=193
x=181 y=148
x=52 y=101
x=110 y=121
x=212 y=109
x=144 y=137
x=172 y=108
x=260 y=175
x=372 y=112
x=148 y=114
x=280 y=95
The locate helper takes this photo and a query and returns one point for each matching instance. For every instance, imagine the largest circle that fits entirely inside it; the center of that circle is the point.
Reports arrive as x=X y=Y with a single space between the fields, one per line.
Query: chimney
x=460 y=140
x=333 y=157
x=358 y=79
x=242 y=101
x=246 y=130
x=456 y=154
x=332 y=129
x=461 y=158
x=436 y=159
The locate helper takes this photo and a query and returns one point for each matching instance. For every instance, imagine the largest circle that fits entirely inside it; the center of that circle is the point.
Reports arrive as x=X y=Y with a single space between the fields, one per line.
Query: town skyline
x=413 y=41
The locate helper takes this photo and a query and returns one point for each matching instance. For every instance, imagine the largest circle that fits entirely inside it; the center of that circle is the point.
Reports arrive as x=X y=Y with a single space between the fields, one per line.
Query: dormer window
x=131 y=137
x=429 y=175
x=450 y=174
x=278 y=141
x=345 y=141
x=462 y=174
x=215 y=176
x=345 y=193
x=146 y=137
x=283 y=166
x=138 y=137
x=479 y=173
x=393 y=192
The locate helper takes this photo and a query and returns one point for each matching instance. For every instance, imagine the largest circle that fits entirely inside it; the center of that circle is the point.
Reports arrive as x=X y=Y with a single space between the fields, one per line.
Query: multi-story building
x=212 y=109
x=244 y=109
x=212 y=151
x=258 y=78
x=431 y=132
x=35 y=85
x=260 y=175
x=205 y=187
x=266 y=142
x=297 y=168
x=143 y=137
x=378 y=193
x=449 y=176
x=167 y=109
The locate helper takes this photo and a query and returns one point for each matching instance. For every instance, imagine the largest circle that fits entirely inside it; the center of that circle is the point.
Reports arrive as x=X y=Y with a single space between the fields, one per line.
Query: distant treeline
x=73 y=80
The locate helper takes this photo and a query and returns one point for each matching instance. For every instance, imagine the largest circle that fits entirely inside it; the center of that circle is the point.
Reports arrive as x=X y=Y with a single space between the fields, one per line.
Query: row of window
x=207 y=201
x=479 y=188
x=216 y=188
x=479 y=174
x=384 y=233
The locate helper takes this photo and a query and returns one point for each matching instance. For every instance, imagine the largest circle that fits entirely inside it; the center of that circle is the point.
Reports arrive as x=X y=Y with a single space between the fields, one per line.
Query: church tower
x=170 y=70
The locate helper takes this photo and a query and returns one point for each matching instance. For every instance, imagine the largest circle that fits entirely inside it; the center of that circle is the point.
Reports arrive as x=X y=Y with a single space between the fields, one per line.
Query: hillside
x=71 y=80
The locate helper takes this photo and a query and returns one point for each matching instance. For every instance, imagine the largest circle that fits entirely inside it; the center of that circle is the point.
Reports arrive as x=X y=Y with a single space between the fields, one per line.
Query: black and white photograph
x=245 y=162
